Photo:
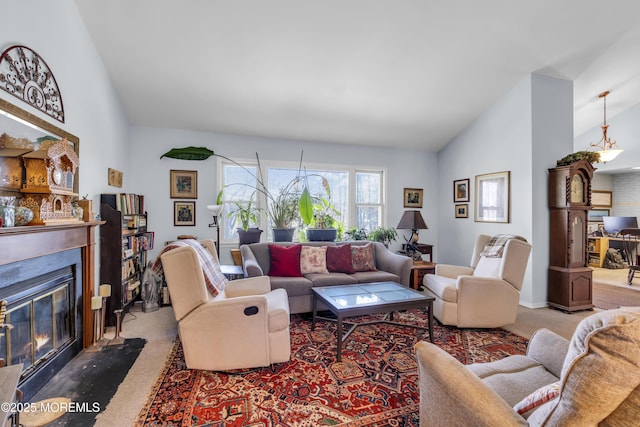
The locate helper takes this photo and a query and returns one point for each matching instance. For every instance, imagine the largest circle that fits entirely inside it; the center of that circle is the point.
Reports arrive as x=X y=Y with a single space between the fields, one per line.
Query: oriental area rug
x=376 y=384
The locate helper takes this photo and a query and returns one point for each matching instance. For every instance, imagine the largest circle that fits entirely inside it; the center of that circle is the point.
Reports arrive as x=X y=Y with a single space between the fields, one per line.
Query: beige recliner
x=244 y=326
x=592 y=380
x=486 y=294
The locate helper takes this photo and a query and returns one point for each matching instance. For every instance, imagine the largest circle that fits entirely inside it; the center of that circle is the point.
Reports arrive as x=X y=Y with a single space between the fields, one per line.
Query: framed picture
x=114 y=177
x=602 y=199
x=184 y=213
x=595 y=215
x=413 y=197
x=462 y=211
x=492 y=197
x=184 y=184
x=461 y=190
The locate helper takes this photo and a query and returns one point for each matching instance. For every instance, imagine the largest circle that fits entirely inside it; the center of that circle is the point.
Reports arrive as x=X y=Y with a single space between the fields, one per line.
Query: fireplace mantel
x=22 y=243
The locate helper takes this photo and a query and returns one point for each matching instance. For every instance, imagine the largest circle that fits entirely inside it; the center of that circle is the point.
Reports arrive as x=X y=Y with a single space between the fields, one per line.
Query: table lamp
x=412 y=220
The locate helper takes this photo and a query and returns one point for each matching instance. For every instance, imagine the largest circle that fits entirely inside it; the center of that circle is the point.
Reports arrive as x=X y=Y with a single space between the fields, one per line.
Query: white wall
x=92 y=111
x=404 y=169
x=524 y=133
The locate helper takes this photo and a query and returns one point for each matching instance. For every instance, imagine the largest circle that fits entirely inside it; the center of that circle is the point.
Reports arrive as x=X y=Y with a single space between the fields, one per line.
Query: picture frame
x=412 y=197
x=461 y=190
x=183 y=184
x=184 y=213
x=114 y=177
x=601 y=199
x=595 y=215
x=492 y=197
x=462 y=211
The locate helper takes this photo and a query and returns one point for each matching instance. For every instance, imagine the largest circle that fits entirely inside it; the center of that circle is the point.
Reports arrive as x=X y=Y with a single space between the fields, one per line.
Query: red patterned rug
x=374 y=385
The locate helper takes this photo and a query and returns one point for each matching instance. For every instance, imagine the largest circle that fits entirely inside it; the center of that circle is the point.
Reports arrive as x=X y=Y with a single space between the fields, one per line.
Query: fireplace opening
x=41 y=317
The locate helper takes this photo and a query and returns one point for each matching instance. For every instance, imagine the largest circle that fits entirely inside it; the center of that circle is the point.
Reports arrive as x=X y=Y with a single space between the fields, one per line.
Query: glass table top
x=350 y=296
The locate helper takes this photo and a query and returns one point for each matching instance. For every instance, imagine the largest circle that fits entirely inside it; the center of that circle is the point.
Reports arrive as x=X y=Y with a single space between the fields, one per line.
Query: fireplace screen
x=40 y=327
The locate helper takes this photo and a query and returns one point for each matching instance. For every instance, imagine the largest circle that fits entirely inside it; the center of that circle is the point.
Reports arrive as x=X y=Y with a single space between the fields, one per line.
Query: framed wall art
x=412 y=197
x=492 y=197
x=462 y=211
x=184 y=213
x=595 y=215
x=114 y=178
x=461 y=190
x=184 y=184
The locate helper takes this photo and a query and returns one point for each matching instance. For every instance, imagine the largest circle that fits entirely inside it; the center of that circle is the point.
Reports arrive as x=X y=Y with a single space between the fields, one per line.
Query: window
x=356 y=193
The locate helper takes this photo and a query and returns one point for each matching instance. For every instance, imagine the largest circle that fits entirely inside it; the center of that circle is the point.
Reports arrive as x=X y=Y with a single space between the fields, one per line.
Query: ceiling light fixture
x=607 y=148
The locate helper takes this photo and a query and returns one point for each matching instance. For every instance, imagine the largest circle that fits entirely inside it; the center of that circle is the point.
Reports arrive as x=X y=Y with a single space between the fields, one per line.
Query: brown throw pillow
x=362 y=258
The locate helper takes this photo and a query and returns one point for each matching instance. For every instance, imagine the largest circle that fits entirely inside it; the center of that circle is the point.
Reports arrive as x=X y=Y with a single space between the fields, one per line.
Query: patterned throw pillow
x=362 y=258
x=285 y=261
x=339 y=259
x=537 y=398
x=313 y=259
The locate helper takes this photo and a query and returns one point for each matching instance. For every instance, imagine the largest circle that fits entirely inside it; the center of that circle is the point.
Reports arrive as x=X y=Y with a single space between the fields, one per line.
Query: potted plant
x=356 y=234
x=245 y=214
x=319 y=214
x=283 y=213
x=383 y=235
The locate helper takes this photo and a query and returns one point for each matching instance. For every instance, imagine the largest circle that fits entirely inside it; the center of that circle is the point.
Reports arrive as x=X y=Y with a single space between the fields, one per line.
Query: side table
x=232 y=272
x=419 y=269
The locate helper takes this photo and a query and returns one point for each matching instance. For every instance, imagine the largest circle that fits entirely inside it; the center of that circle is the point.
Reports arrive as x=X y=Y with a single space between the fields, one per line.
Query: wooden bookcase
x=124 y=241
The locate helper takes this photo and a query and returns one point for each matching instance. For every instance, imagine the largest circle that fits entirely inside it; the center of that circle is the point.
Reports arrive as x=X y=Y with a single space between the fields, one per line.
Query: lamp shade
x=412 y=220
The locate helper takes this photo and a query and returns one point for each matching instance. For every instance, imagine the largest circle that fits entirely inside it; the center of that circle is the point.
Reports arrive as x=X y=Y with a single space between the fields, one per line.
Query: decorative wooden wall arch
x=25 y=75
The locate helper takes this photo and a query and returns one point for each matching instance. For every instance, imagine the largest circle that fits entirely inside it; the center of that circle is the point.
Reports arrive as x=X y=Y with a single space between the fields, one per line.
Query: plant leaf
x=189 y=153
x=305 y=206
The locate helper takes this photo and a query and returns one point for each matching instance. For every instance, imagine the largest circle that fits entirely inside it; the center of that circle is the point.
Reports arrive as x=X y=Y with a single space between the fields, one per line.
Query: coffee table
x=370 y=298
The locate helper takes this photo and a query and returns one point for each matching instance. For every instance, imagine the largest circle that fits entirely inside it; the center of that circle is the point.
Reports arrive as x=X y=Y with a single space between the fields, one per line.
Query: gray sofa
x=392 y=267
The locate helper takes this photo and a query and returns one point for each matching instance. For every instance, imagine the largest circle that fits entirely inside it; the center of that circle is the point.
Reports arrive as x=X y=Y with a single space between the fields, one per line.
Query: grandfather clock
x=569 y=280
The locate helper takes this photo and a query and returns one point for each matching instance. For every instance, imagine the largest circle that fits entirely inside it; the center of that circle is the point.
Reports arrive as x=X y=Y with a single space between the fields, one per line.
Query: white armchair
x=244 y=326
x=484 y=295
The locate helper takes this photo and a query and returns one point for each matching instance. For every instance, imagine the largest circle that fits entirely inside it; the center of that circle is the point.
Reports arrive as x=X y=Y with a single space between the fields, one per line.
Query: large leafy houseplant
x=383 y=235
x=318 y=213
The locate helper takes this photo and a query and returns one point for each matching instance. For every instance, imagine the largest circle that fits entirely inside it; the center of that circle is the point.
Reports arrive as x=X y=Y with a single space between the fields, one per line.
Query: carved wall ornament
x=25 y=75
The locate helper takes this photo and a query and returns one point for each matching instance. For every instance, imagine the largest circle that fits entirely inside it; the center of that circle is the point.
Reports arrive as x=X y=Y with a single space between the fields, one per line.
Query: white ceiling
x=375 y=72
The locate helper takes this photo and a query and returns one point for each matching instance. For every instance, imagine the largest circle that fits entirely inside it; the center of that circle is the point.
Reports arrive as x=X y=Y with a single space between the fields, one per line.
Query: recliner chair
x=484 y=295
x=244 y=326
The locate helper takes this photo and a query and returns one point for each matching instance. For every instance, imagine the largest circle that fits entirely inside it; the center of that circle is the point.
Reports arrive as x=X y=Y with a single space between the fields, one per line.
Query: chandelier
x=607 y=148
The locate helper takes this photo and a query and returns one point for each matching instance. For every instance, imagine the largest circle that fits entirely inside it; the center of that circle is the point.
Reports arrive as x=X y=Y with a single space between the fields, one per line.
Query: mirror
x=26 y=132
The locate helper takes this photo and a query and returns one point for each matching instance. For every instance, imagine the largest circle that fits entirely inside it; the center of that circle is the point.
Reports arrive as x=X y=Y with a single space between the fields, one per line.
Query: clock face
x=577 y=189
x=56 y=175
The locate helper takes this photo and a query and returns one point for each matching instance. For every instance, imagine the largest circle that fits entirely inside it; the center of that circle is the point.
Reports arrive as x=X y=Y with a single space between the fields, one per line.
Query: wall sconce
x=607 y=148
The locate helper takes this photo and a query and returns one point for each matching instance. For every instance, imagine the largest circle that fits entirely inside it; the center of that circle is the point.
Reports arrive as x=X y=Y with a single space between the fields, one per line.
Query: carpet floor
x=374 y=385
x=90 y=379
x=607 y=296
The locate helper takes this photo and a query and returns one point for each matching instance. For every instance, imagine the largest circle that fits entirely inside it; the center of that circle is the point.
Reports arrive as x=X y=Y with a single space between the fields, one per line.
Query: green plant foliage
x=189 y=153
x=590 y=156
x=383 y=235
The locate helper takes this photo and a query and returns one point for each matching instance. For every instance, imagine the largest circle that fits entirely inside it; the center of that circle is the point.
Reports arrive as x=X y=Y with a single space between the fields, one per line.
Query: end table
x=419 y=269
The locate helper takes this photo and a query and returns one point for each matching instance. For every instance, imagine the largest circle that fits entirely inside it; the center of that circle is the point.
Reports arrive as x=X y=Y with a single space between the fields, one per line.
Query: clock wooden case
x=569 y=278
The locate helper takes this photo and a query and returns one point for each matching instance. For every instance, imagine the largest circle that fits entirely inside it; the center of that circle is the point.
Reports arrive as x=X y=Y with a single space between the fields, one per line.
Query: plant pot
x=321 y=235
x=283 y=234
x=249 y=236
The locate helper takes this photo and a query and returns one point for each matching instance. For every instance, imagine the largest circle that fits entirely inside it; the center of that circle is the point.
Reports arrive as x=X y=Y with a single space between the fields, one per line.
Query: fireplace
x=46 y=294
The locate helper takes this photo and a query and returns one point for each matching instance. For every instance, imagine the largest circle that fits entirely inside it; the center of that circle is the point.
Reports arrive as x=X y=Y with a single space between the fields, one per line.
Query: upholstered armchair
x=245 y=325
x=486 y=294
x=592 y=380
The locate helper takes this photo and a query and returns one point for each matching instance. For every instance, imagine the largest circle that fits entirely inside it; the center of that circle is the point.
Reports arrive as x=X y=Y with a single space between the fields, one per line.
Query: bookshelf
x=124 y=242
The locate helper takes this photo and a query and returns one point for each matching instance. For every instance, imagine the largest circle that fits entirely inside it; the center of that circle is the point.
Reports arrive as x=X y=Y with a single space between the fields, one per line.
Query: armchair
x=592 y=380
x=484 y=295
x=245 y=325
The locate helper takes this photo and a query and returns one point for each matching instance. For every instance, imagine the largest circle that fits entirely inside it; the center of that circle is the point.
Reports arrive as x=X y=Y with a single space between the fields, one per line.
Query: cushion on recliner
x=488 y=267
x=443 y=287
x=278 y=310
x=600 y=374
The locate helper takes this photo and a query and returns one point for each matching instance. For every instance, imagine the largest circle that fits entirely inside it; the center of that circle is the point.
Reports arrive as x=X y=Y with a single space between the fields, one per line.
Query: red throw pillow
x=339 y=259
x=285 y=261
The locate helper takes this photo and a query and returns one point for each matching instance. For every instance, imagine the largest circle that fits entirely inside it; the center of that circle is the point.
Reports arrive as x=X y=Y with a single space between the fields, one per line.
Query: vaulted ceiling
x=410 y=73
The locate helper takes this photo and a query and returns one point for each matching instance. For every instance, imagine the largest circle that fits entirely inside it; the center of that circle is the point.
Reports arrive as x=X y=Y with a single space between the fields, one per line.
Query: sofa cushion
x=339 y=259
x=313 y=259
x=362 y=258
x=331 y=279
x=285 y=261
x=295 y=286
x=375 y=276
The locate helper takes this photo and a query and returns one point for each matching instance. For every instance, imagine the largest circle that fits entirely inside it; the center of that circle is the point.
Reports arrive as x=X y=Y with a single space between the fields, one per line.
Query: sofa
x=594 y=379
x=257 y=260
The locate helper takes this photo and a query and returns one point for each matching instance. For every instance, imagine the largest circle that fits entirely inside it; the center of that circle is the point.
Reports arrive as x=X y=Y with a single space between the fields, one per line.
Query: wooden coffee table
x=370 y=298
